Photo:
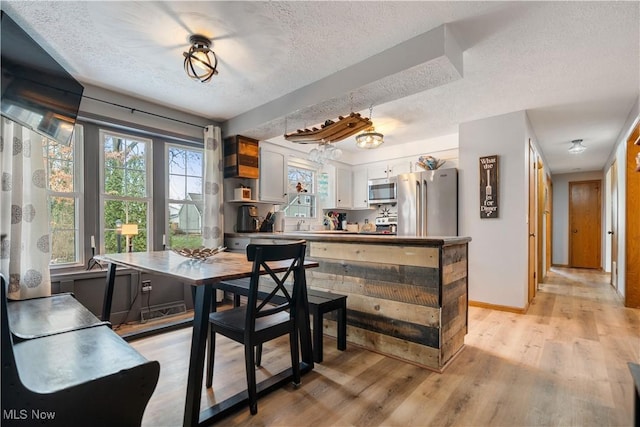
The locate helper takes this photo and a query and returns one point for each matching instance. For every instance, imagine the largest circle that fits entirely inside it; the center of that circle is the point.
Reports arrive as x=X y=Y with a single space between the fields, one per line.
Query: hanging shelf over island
x=331 y=131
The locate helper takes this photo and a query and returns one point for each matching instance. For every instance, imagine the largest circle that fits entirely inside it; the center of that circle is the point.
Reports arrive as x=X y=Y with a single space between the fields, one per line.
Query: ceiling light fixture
x=369 y=138
x=200 y=63
x=577 y=147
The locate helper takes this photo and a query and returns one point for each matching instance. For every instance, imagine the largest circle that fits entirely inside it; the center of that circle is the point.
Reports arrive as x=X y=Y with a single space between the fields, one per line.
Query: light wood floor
x=561 y=364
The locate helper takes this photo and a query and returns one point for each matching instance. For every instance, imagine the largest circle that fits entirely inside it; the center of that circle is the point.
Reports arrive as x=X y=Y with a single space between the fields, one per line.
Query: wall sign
x=489 y=187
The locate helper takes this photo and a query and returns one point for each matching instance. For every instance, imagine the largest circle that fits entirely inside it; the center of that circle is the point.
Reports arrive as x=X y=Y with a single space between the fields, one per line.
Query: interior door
x=613 y=233
x=585 y=224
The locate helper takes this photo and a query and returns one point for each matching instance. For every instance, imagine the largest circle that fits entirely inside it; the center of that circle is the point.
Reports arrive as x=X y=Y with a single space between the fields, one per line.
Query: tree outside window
x=64 y=197
x=125 y=190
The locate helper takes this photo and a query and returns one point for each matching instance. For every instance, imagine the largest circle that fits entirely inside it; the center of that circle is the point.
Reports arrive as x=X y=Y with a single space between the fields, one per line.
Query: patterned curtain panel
x=212 y=230
x=24 y=222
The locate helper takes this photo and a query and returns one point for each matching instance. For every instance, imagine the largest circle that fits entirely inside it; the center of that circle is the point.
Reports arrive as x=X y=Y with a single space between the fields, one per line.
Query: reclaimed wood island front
x=407 y=296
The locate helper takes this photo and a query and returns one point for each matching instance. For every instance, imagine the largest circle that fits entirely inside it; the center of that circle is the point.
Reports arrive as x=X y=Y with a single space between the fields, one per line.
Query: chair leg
x=251 y=378
x=317 y=336
x=211 y=353
x=295 y=356
x=258 y=355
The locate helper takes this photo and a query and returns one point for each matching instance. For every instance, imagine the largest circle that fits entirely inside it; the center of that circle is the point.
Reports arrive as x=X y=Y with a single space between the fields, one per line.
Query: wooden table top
x=222 y=266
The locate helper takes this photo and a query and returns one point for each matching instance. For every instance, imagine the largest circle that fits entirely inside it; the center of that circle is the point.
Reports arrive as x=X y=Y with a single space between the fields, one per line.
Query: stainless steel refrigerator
x=428 y=203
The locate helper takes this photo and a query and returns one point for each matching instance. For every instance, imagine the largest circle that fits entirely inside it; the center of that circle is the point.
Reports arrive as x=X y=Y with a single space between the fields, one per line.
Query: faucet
x=299 y=225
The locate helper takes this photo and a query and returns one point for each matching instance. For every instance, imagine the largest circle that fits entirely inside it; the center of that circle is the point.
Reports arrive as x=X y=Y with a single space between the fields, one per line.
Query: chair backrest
x=263 y=257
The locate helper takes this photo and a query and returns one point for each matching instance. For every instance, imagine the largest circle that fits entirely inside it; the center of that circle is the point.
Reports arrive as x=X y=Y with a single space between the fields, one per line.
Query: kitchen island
x=407 y=296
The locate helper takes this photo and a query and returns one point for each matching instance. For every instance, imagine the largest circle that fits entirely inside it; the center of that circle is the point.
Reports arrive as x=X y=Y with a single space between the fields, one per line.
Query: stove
x=387 y=224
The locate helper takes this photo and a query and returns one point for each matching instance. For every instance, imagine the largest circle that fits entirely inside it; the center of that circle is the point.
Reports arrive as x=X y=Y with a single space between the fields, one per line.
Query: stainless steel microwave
x=383 y=190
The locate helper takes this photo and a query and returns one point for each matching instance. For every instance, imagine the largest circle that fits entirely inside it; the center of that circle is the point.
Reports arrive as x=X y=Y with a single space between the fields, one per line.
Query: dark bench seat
x=86 y=376
x=320 y=302
x=39 y=317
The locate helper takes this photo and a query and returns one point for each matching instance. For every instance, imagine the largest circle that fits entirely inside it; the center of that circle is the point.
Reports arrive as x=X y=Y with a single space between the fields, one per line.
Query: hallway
x=564 y=363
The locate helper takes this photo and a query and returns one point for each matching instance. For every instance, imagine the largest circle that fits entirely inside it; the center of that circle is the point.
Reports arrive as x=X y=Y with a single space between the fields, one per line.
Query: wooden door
x=613 y=233
x=585 y=219
x=533 y=178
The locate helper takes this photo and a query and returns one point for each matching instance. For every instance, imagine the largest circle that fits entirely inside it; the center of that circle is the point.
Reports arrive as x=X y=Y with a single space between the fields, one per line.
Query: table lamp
x=129 y=230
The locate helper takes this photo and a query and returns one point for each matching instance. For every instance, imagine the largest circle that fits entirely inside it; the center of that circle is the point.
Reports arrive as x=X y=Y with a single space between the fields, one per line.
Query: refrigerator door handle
x=418 y=208
x=423 y=212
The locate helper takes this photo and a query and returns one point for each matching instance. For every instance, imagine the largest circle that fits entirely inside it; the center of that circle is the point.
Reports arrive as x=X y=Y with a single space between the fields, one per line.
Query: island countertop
x=352 y=237
x=407 y=297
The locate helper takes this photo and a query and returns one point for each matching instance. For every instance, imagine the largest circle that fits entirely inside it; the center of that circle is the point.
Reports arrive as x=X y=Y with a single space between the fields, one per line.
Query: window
x=125 y=190
x=64 y=197
x=185 y=175
x=301 y=186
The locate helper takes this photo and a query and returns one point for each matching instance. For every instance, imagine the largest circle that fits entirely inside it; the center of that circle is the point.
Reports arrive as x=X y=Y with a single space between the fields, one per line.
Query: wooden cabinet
x=343 y=188
x=240 y=157
x=360 y=189
x=272 y=185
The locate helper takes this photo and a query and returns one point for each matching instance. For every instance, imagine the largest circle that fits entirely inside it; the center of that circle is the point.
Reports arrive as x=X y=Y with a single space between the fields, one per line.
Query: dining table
x=203 y=275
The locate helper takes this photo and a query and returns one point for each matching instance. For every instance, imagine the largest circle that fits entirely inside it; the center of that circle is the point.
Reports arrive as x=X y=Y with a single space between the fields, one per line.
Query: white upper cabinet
x=272 y=176
x=360 y=189
x=343 y=188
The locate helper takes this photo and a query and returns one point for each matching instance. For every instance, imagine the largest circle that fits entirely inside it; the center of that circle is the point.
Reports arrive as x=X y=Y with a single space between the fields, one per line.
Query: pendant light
x=369 y=138
x=577 y=147
x=200 y=63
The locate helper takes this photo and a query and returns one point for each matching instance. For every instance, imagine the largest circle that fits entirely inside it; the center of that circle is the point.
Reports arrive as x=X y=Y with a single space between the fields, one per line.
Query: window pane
x=177 y=187
x=60 y=175
x=135 y=183
x=63 y=248
x=62 y=213
x=177 y=161
x=125 y=212
x=195 y=163
x=135 y=155
x=185 y=225
x=194 y=186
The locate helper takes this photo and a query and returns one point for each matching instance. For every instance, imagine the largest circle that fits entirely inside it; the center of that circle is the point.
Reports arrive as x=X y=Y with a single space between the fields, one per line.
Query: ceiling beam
x=425 y=61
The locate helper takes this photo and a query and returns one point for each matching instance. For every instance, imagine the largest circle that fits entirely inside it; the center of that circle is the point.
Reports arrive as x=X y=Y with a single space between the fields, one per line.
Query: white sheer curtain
x=25 y=251
x=212 y=230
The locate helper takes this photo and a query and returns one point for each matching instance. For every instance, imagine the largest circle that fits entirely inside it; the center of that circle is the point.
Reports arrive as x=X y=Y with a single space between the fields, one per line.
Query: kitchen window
x=185 y=175
x=301 y=188
x=125 y=190
x=64 y=197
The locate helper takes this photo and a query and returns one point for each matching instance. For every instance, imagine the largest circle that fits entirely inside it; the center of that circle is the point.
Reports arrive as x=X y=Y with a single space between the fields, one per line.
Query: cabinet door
x=272 y=174
x=343 y=189
x=360 y=189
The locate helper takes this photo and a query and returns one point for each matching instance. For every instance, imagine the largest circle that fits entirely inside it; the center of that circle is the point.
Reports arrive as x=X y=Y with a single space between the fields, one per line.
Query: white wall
x=93 y=110
x=619 y=155
x=498 y=253
x=560 y=230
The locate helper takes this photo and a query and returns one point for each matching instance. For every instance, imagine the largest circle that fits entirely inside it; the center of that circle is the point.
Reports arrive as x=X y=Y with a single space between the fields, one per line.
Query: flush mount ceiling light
x=200 y=63
x=369 y=138
x=577 y=147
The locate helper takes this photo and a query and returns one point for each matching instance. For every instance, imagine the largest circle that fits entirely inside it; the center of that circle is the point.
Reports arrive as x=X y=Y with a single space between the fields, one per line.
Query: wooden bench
x=320 y=302
x=62 y=376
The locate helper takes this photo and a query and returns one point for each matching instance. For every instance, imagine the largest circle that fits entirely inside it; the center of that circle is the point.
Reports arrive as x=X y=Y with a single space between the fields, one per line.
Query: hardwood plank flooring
x=563 y=363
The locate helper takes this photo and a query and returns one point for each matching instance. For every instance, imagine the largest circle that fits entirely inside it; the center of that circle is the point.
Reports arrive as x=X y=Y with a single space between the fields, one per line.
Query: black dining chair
x=262 y=320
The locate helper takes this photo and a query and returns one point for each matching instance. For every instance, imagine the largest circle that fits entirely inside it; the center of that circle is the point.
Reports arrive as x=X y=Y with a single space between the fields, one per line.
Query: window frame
x=78 y=138
x=167 y=175
x=103 y=197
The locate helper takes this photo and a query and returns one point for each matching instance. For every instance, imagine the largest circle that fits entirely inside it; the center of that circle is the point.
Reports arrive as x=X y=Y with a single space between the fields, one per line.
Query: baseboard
x=507 y=308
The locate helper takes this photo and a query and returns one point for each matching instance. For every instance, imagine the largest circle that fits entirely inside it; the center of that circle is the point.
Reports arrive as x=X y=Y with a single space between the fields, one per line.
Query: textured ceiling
x=574 y=66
